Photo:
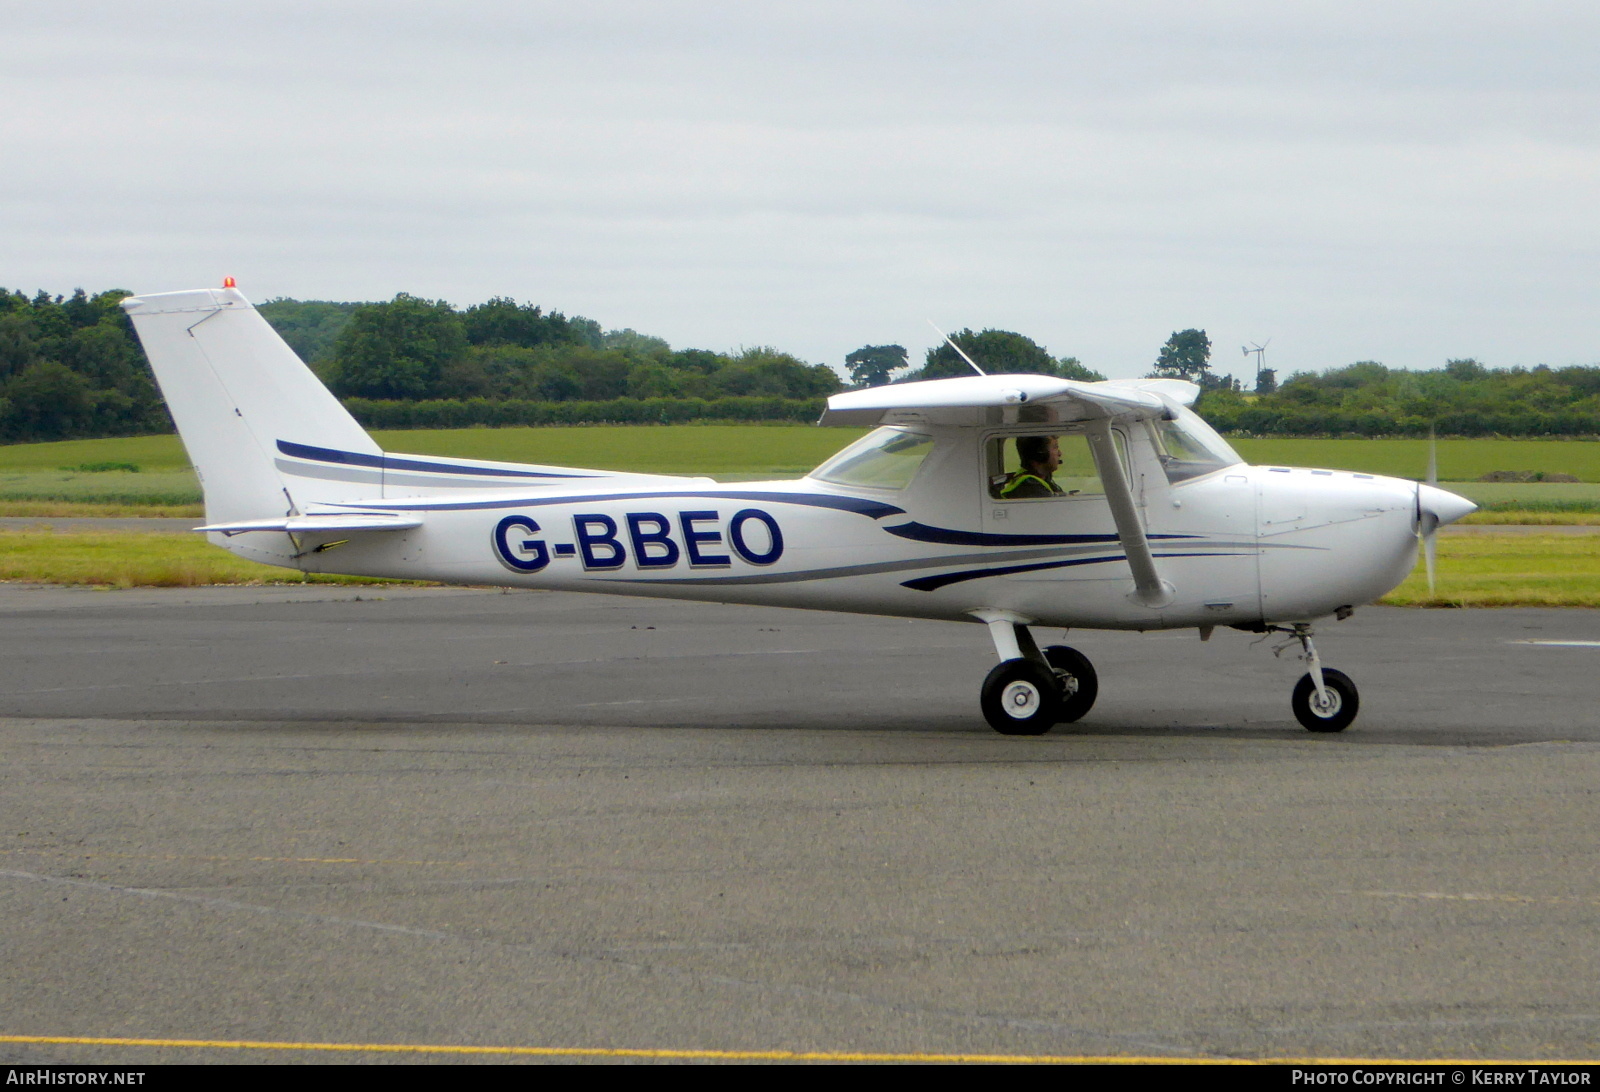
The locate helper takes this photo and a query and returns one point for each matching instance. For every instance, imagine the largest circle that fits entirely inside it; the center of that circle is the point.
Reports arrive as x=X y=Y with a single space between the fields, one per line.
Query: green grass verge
x=148 y=453
x=1490 y=570
x=1549 y=496
x=765 y=451
x=1535 y=517
x=768 y=450
x=34 y=472
x=114 y=559
x=29 y=509
x=165 y=488
x=1459 y=460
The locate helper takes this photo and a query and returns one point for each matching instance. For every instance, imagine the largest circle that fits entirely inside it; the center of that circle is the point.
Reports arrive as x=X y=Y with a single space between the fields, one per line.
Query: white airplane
x=1159 y=523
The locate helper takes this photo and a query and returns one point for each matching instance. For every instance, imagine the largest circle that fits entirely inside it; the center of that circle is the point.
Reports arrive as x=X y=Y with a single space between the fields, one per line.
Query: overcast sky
x=1405 y=182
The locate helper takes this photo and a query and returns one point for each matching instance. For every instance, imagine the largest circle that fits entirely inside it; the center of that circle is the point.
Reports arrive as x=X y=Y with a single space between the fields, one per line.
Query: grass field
x=766 y=450
x=148 y=453
x=168 y=488
x=1459 y=460
x=1490 y=570
x=115 y=559
x=46 y=479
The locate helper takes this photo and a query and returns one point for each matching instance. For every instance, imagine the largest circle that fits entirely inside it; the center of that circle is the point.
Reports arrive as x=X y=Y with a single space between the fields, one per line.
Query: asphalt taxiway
x=443 y=816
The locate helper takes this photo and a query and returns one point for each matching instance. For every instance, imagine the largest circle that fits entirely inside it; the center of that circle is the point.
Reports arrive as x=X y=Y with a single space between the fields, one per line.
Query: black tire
x=1346 y=702
x=1079 y=684
x=1020 y=698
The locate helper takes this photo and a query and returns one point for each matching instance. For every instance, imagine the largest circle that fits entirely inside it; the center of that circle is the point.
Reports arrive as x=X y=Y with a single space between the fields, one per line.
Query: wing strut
x=1149 y=588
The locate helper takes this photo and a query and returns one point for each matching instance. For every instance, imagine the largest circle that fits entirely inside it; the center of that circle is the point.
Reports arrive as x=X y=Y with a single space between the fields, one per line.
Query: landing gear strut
x=1029 y=691
x=1324 y=700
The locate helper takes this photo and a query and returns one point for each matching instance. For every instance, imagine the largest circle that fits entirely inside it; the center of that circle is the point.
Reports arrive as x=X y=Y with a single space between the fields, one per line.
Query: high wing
x=993 y=399
x=981 y=399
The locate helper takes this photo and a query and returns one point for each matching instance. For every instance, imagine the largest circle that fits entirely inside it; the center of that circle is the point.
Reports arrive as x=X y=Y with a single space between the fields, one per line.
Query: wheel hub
x=1020 y=700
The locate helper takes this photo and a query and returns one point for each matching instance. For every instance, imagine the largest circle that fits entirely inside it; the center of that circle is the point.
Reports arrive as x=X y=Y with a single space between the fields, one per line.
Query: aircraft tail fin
x=238 y=394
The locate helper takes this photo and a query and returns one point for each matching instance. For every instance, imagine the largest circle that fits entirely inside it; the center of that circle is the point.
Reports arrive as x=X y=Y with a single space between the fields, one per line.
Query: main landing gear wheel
x=1333 y=715
x=1079 y=684
x=1021 y=698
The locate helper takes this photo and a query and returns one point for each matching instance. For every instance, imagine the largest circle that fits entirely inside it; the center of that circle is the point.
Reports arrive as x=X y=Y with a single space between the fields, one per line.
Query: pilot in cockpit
x=1040 y=457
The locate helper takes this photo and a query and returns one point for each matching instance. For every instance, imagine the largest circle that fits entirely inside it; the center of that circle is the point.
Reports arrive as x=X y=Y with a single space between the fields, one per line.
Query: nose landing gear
x=1324 y=700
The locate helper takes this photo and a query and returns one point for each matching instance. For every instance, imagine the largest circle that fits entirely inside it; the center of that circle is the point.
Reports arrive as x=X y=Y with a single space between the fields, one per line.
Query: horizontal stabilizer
x=337 y=523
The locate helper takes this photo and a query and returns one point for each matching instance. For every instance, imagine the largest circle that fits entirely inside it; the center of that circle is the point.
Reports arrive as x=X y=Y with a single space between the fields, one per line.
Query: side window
x=887 y=458
x=1009 y=479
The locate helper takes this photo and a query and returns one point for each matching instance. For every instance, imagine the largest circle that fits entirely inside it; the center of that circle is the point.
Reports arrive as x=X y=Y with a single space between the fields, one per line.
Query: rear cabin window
x=1076 y=476
x=887 y=458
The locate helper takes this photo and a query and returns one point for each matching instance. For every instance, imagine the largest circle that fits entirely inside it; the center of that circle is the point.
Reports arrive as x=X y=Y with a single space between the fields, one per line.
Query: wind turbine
x=1260 y=352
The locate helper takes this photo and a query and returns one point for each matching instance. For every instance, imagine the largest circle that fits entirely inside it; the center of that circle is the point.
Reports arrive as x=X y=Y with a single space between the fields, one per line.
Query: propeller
x=1428 y=522
x=1435 y=508
x=1428 y=535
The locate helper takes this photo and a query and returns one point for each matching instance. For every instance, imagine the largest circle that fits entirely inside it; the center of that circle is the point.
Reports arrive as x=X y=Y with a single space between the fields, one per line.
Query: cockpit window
x=1075 y=475
x=1188 y=447
x=887 y=458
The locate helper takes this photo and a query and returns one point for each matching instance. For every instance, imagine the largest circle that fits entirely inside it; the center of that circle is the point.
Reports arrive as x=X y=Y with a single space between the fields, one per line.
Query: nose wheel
x=1324 y=700
x=1331 y=711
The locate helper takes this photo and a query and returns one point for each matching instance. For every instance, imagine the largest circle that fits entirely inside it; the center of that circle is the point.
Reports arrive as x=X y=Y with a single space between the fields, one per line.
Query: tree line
x=70 y=367
x=1368 y=399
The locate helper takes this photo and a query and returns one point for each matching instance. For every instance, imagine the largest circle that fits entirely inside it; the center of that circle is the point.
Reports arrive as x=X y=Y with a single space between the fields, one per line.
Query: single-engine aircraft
x=1152 y=522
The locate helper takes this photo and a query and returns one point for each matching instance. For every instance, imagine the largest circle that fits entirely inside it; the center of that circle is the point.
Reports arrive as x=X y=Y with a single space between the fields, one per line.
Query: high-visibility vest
x=1016 y=482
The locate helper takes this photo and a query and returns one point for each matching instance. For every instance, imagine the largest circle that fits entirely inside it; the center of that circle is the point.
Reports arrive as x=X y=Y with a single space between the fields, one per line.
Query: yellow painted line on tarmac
x=753 y=1055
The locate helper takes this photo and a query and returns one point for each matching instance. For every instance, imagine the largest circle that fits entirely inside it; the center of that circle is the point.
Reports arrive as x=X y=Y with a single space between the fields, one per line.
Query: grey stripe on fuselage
x=862 y=570
x=991 y=557
x=330 y=473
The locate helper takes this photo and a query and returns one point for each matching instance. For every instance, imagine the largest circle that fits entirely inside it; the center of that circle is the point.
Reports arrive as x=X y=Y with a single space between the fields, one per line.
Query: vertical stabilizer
x=236 y=390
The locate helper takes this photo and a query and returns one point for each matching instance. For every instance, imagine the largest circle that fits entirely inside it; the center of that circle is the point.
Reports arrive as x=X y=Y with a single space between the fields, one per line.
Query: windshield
x=1189 y=447
x=885 y=459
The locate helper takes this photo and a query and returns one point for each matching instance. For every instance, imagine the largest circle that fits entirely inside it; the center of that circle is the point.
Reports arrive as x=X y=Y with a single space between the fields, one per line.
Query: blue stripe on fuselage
x=394 y=462
x=921 y=532
x=875 y=509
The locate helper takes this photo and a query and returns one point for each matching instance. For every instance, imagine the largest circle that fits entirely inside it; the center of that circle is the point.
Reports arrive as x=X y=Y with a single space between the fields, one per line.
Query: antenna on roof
x=957 y=348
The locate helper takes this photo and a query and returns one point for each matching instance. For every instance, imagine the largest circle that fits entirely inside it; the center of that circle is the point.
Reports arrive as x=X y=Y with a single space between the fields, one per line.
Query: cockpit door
x=1016 y=503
